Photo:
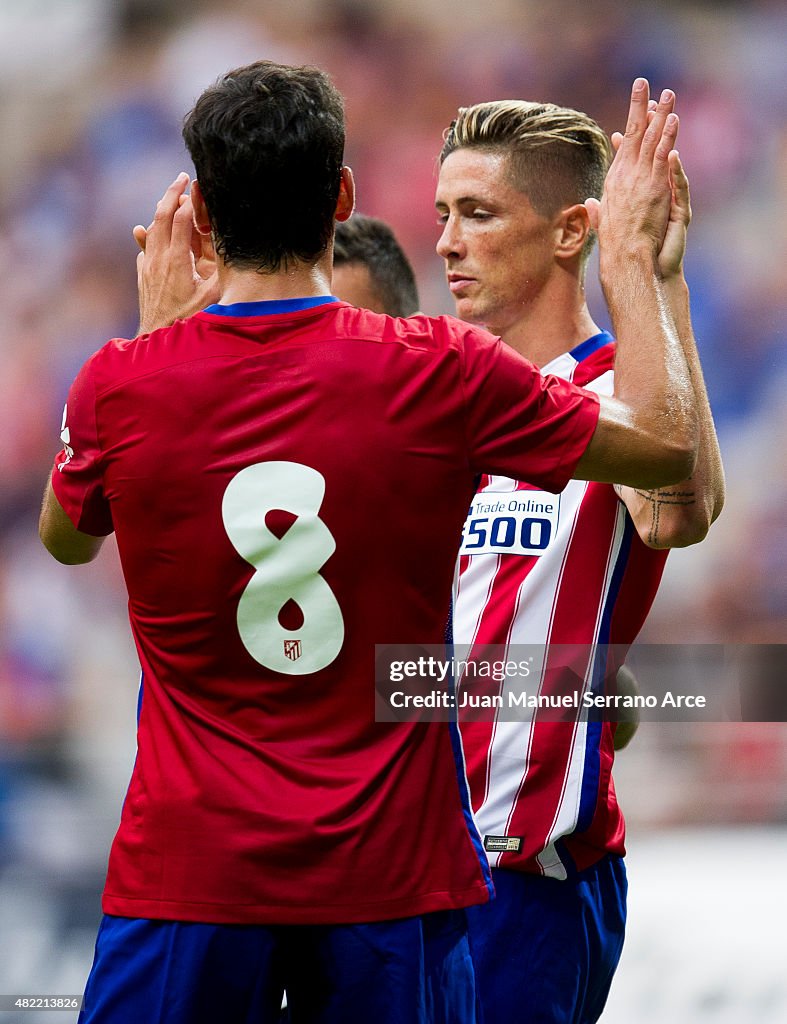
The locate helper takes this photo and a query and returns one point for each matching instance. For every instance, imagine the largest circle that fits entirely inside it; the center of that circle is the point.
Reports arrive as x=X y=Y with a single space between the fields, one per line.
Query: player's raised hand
x=617 y=137
x=176 y=271
x=634 y=210
x=673 y=249
x=670 y=258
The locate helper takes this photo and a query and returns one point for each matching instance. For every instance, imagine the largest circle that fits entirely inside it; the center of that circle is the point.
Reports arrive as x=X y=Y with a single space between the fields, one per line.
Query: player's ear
x=201 y=216
x=345 y=204
x=573 y=230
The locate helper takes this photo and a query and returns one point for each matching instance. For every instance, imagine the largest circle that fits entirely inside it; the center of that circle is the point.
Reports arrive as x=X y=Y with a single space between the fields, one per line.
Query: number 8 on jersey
x=286 y=568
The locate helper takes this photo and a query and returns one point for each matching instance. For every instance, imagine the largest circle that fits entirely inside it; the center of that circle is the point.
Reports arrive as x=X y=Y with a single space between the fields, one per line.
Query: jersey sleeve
x=77 y=472
x=521 y=424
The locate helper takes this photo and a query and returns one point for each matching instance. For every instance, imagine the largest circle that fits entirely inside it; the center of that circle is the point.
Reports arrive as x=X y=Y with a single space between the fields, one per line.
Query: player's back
x=288 y=483
x=253 y=466
x=275 y=451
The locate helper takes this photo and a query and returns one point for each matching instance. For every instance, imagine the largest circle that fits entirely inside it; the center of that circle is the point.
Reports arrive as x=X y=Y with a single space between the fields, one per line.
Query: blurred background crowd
x=92 y=93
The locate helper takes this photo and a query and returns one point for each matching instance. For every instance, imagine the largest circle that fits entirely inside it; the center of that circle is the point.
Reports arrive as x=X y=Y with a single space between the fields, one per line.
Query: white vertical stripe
x=475 y=588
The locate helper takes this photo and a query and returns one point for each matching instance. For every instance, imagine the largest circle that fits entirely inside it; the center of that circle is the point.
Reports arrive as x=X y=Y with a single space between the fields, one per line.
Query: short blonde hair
x=558 y=156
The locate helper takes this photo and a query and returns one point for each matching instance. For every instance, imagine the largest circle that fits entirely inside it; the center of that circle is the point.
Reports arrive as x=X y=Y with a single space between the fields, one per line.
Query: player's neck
x=545 y=330
x=299 y=280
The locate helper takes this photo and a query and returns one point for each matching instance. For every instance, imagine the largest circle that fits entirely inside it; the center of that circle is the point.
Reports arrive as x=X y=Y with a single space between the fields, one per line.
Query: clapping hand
x=635 y=210
x=176 y=267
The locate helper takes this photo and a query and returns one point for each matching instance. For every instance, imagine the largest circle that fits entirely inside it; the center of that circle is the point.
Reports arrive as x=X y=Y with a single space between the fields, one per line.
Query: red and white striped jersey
x=581 y=577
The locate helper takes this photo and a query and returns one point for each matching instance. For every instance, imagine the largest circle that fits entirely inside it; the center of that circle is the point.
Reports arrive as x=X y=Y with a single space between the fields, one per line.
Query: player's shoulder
x=120 y=359
x=430 y=333
x=104 y=363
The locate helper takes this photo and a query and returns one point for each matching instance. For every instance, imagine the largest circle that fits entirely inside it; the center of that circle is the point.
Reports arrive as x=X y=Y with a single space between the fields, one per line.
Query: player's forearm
x=648 y=432
x=708 y=478
x=652 y=376
x=60 y=537
x=681 y=514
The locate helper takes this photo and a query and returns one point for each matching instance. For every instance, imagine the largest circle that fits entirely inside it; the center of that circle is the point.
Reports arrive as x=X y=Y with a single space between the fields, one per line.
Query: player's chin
x=467 y=309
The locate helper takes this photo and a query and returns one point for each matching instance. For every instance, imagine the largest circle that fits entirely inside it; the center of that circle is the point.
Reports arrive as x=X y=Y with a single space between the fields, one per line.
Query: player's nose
x=450 y=243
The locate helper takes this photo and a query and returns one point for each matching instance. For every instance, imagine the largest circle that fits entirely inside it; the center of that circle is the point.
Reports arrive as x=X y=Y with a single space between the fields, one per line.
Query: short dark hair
x=267 y=141
x=371 y=243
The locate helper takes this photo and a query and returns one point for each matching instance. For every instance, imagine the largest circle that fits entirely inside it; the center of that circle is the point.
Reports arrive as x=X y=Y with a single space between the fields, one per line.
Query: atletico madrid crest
x=292 y=649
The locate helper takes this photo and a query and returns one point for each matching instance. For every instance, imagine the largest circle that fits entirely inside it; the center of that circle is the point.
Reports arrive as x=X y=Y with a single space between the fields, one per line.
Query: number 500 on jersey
x=510 y=523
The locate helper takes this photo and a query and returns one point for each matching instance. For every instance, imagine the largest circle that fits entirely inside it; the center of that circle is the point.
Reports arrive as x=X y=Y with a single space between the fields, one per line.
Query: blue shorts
x=416 y=970
x=545 y=950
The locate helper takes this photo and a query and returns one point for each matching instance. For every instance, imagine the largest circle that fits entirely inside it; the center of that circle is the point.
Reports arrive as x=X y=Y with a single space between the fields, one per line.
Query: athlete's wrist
x=618 y=262
x=627 y=276
x=675 y=286
x=150 y=323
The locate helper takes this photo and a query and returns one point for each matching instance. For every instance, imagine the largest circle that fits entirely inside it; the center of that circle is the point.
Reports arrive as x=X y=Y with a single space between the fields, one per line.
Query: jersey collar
x=591 y=345
x=270 y=306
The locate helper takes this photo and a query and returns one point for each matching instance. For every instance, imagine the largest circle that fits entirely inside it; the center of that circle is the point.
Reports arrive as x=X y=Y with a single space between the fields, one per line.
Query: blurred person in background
x=370 y=269
x=218 y=828
x=516 y=237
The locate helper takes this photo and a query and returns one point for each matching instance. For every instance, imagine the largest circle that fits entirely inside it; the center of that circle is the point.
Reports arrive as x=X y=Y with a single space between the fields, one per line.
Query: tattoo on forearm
x=657 y=499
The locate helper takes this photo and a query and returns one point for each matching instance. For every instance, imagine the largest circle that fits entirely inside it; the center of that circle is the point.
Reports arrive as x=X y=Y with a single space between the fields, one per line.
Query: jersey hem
x=337 y=913
x=583 y=856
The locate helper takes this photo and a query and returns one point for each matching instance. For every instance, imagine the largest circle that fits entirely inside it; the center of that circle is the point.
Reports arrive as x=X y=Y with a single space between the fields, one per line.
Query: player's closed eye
x=442 y=218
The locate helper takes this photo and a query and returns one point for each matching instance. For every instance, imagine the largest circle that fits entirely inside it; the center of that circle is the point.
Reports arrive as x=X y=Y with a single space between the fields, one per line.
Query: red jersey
x=542 y=789
x=287 y=482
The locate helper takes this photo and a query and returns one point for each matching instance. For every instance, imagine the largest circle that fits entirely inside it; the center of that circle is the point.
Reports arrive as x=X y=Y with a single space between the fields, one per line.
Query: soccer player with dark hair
x=370 y=269
x=513 y=182
x=287 y=477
